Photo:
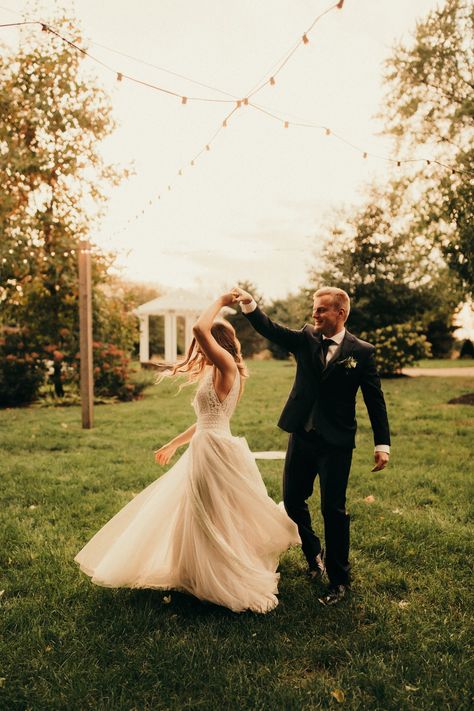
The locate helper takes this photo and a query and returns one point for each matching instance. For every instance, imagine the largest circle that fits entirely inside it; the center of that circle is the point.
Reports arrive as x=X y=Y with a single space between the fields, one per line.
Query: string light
x=365 y=154
x=119 y=75
x=239 y=102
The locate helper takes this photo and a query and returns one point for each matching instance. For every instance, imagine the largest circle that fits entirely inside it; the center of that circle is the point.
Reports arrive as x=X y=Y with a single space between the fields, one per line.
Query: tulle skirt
x=206 y=527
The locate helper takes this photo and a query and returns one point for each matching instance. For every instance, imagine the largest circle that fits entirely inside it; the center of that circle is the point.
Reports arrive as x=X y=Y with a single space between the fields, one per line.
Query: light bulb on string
x=365 y=154
x=208 y=148
x=286 y=124
x=184 y=99
x=305 y=39
x=119 y=76
x=272 y=81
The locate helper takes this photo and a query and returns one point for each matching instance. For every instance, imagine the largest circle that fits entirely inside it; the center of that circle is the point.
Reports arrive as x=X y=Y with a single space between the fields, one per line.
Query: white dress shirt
x=338 y=337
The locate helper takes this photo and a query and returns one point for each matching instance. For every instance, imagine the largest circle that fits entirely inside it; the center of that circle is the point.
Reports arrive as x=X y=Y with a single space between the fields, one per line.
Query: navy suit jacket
x=327 y=394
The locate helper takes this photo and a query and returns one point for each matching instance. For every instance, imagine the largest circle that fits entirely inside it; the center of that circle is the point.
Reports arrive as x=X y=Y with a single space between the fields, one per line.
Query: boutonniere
x=348 y=363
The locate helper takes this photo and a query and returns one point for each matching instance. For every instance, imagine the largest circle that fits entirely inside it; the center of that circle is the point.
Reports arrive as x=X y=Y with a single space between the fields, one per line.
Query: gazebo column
x=171 y=338
x=144 y=339
x=189 y=321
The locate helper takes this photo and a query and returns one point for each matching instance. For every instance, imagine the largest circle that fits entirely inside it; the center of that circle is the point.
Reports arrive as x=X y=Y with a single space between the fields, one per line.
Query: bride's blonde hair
x=194 y=361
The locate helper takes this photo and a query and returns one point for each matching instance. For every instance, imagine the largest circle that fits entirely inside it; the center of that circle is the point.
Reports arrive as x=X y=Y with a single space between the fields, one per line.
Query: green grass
x=446 y=363
x=400 y=642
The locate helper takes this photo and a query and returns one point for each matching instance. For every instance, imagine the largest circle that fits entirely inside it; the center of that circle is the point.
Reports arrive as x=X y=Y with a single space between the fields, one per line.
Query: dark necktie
x=325 y=347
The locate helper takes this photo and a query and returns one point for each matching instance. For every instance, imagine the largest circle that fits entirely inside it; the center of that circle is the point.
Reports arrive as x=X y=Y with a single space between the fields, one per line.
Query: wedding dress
x=206 y=527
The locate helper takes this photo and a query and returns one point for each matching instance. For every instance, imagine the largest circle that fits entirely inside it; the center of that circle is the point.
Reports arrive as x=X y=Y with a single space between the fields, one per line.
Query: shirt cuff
x=248 y=308
x=382 y=448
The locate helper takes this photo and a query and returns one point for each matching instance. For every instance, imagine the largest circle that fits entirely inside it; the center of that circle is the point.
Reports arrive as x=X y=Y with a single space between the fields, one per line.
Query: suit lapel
x=344 y=351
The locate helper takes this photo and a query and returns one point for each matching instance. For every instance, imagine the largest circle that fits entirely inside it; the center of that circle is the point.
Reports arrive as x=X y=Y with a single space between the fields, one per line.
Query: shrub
x=398 y=346
x=22 y=369
x=112 y=373
x=467 y=349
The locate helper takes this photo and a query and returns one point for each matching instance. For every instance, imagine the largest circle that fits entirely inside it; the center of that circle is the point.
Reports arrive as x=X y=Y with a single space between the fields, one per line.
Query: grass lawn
x=400 y=642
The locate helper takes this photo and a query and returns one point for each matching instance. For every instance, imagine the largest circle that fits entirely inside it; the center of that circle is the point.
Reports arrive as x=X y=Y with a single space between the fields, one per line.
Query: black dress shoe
x=317 y=568
x=334 y=594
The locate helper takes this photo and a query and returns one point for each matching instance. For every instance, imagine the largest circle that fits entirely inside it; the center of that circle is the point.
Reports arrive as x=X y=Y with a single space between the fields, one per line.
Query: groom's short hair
x=340 y=298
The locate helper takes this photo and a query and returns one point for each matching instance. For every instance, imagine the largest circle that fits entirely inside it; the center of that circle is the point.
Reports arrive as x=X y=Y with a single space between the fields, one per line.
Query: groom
x=331 y=365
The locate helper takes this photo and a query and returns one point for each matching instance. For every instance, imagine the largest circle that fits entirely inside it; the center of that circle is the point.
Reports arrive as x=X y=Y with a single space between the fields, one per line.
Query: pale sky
x=252 y=207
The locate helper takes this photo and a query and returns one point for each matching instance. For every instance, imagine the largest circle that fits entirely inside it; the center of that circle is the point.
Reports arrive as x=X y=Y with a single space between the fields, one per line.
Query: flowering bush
x=112 y=374
x=22 y=369
x=397 y=346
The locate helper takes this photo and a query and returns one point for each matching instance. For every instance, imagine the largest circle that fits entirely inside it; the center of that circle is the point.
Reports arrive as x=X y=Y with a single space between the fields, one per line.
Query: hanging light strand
x=120 y=75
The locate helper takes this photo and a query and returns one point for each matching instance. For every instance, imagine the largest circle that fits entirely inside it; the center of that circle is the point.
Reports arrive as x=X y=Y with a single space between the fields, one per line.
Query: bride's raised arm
x=215 y=353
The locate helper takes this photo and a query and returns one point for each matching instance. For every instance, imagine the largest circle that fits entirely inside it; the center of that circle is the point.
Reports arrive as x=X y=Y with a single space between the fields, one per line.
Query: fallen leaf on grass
x=64 y=425
x=397 y=511
x=338 y=694
x=32 y=507
x=2 y=680
x=369 y=499
x=1 y=592
x=167 y=599
x=48 y=648
x=403 y=604
x=411 y=688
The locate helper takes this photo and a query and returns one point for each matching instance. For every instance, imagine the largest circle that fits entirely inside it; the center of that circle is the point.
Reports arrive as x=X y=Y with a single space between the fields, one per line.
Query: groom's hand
x=381 y=461
x=243 y=297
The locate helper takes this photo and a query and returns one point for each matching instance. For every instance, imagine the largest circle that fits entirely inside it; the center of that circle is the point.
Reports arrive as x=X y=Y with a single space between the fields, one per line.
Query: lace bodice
x=211 y=412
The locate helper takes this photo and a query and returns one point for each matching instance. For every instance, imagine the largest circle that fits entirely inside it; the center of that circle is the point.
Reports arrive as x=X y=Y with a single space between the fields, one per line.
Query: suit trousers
x=308 y=456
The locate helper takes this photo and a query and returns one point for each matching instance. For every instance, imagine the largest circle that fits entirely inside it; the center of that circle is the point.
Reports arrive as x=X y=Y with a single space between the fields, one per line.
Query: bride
x=207 y=526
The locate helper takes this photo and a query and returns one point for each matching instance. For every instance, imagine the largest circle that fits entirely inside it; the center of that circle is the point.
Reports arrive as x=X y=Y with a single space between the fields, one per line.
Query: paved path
x=467 y=372
x=269 y=455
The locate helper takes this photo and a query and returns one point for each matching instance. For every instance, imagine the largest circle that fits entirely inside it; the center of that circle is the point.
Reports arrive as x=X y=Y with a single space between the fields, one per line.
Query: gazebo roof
x=178 y=301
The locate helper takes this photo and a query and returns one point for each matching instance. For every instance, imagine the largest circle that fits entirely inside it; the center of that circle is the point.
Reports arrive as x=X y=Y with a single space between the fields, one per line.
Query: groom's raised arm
x=288 y=338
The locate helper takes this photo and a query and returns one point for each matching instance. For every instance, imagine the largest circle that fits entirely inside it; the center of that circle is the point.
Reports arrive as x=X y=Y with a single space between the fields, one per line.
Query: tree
x=393 y=274
x=53 y=178
x=430 y=102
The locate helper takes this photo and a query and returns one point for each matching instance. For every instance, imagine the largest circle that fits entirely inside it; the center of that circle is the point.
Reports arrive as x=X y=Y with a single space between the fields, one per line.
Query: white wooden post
x=85 y=335
x=144 y=339
x=171 y=339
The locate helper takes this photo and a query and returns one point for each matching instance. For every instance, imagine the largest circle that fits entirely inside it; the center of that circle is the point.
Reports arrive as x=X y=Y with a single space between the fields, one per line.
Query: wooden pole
x=85 y=335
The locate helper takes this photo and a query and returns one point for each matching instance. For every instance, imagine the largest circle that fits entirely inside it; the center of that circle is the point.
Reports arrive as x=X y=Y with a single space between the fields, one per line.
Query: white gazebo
x=172 y=305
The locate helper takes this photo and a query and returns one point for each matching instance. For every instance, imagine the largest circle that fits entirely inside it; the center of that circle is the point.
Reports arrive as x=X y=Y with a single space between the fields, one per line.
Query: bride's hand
x=228 y=298
x=164 y=454
x=241 y=296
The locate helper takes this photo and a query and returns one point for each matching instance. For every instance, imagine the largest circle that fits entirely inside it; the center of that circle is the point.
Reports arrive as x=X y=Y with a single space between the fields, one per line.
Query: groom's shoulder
x=360 y=343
